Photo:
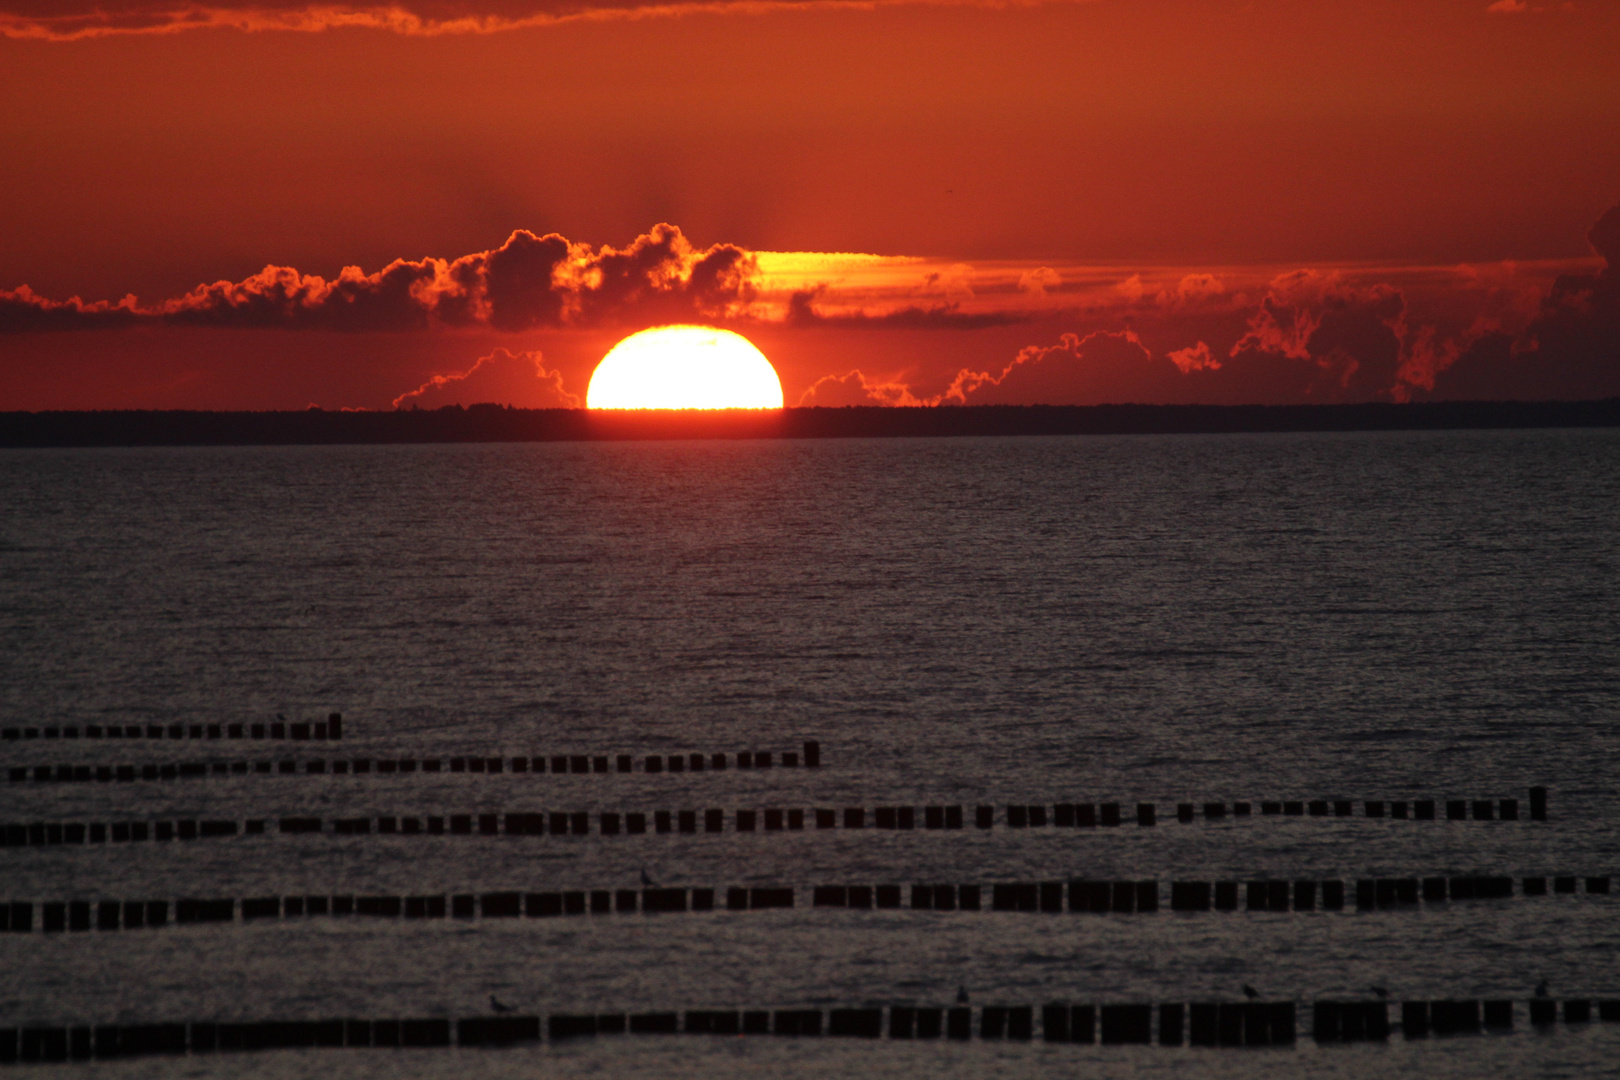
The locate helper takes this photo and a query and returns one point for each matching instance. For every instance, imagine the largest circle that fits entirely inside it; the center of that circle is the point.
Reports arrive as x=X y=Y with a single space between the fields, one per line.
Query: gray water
x=1134 y=619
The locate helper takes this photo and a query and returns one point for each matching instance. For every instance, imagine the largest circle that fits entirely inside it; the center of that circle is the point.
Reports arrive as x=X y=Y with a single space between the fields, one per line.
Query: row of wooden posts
x=1081 y=896
x=557 y=765
x=1197 y=1024
x=331 y=728
x=555 y=823
x=1016 y=816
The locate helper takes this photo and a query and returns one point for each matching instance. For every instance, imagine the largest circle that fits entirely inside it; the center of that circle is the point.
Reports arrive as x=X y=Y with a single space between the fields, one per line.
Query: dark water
x=1391 y=616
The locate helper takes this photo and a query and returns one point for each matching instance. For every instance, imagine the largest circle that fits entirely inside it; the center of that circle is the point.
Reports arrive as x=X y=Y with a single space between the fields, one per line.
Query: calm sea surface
x=1032 y=621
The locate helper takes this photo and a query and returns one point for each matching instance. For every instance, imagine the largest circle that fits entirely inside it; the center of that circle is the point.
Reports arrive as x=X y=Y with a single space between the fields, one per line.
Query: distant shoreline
x=493 y=423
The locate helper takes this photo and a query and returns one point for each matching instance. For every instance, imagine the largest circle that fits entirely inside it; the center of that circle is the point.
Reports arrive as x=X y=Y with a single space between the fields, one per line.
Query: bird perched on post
x=961 y=995
x=645 y=880
x=1250 y=992
x=496 y=1004
x=1541 y=988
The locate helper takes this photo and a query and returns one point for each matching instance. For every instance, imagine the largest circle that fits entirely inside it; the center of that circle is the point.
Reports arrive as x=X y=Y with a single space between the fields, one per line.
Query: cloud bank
x=1100 y=335
x=527 y=283
x=1310 y=335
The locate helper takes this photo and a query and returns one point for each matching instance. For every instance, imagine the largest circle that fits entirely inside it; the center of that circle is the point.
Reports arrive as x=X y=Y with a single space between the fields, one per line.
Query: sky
x=278 y=205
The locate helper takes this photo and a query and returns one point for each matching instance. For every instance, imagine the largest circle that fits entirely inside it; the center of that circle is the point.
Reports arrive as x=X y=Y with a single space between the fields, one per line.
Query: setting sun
x=684 y=367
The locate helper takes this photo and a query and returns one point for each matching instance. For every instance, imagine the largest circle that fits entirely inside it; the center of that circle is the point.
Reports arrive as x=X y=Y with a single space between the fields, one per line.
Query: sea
x=1385 y=617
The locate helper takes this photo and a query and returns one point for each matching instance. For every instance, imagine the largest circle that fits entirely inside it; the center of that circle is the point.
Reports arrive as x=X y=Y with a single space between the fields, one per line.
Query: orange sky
x=1107 y=200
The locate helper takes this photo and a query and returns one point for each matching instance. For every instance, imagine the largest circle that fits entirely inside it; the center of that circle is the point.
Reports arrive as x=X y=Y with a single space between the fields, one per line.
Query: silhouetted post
x=812 y=755
x=1189 y=896
x=1127 y=1024
x=1328 y=1022
x=1538 y=804
x=1170 y=1024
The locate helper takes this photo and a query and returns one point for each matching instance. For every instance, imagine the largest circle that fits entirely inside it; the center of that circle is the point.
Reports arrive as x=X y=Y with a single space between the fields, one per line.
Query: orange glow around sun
x=684 y=367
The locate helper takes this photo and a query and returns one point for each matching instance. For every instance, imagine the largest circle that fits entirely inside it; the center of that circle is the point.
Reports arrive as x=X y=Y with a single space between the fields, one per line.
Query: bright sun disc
x=684 y=367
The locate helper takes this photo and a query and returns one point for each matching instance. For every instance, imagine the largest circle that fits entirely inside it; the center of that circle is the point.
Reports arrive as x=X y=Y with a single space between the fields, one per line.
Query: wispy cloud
x=70 y=20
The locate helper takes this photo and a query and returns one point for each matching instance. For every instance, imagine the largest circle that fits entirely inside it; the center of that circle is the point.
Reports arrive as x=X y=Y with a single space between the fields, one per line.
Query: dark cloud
x=802 y=314
x=857 y=388
x=528 y=282
x=23 y=311
x=501 y=378
x=1101 y=368
x=1571 y=349
x=1345 y=340
x=517 y=280
x=662 y=275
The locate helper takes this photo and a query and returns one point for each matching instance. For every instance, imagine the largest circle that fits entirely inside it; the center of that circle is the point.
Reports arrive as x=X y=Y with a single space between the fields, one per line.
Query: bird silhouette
x=1249 y=991
x=961 y=995
x=279 y=716
x=1541 y=988
x=496 y=1004
x=645 y=880
x=1379 y=990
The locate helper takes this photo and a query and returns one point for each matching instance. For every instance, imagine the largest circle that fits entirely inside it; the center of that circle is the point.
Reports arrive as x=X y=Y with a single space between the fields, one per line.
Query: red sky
x=1109 y=200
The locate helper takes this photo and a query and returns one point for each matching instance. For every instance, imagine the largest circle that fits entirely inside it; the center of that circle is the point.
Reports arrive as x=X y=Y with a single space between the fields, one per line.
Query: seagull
x=496 y=1004
x=645 y=880
x=1541 y=988
x=961 y=995
x=1249 y=991
x=1379 y=990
